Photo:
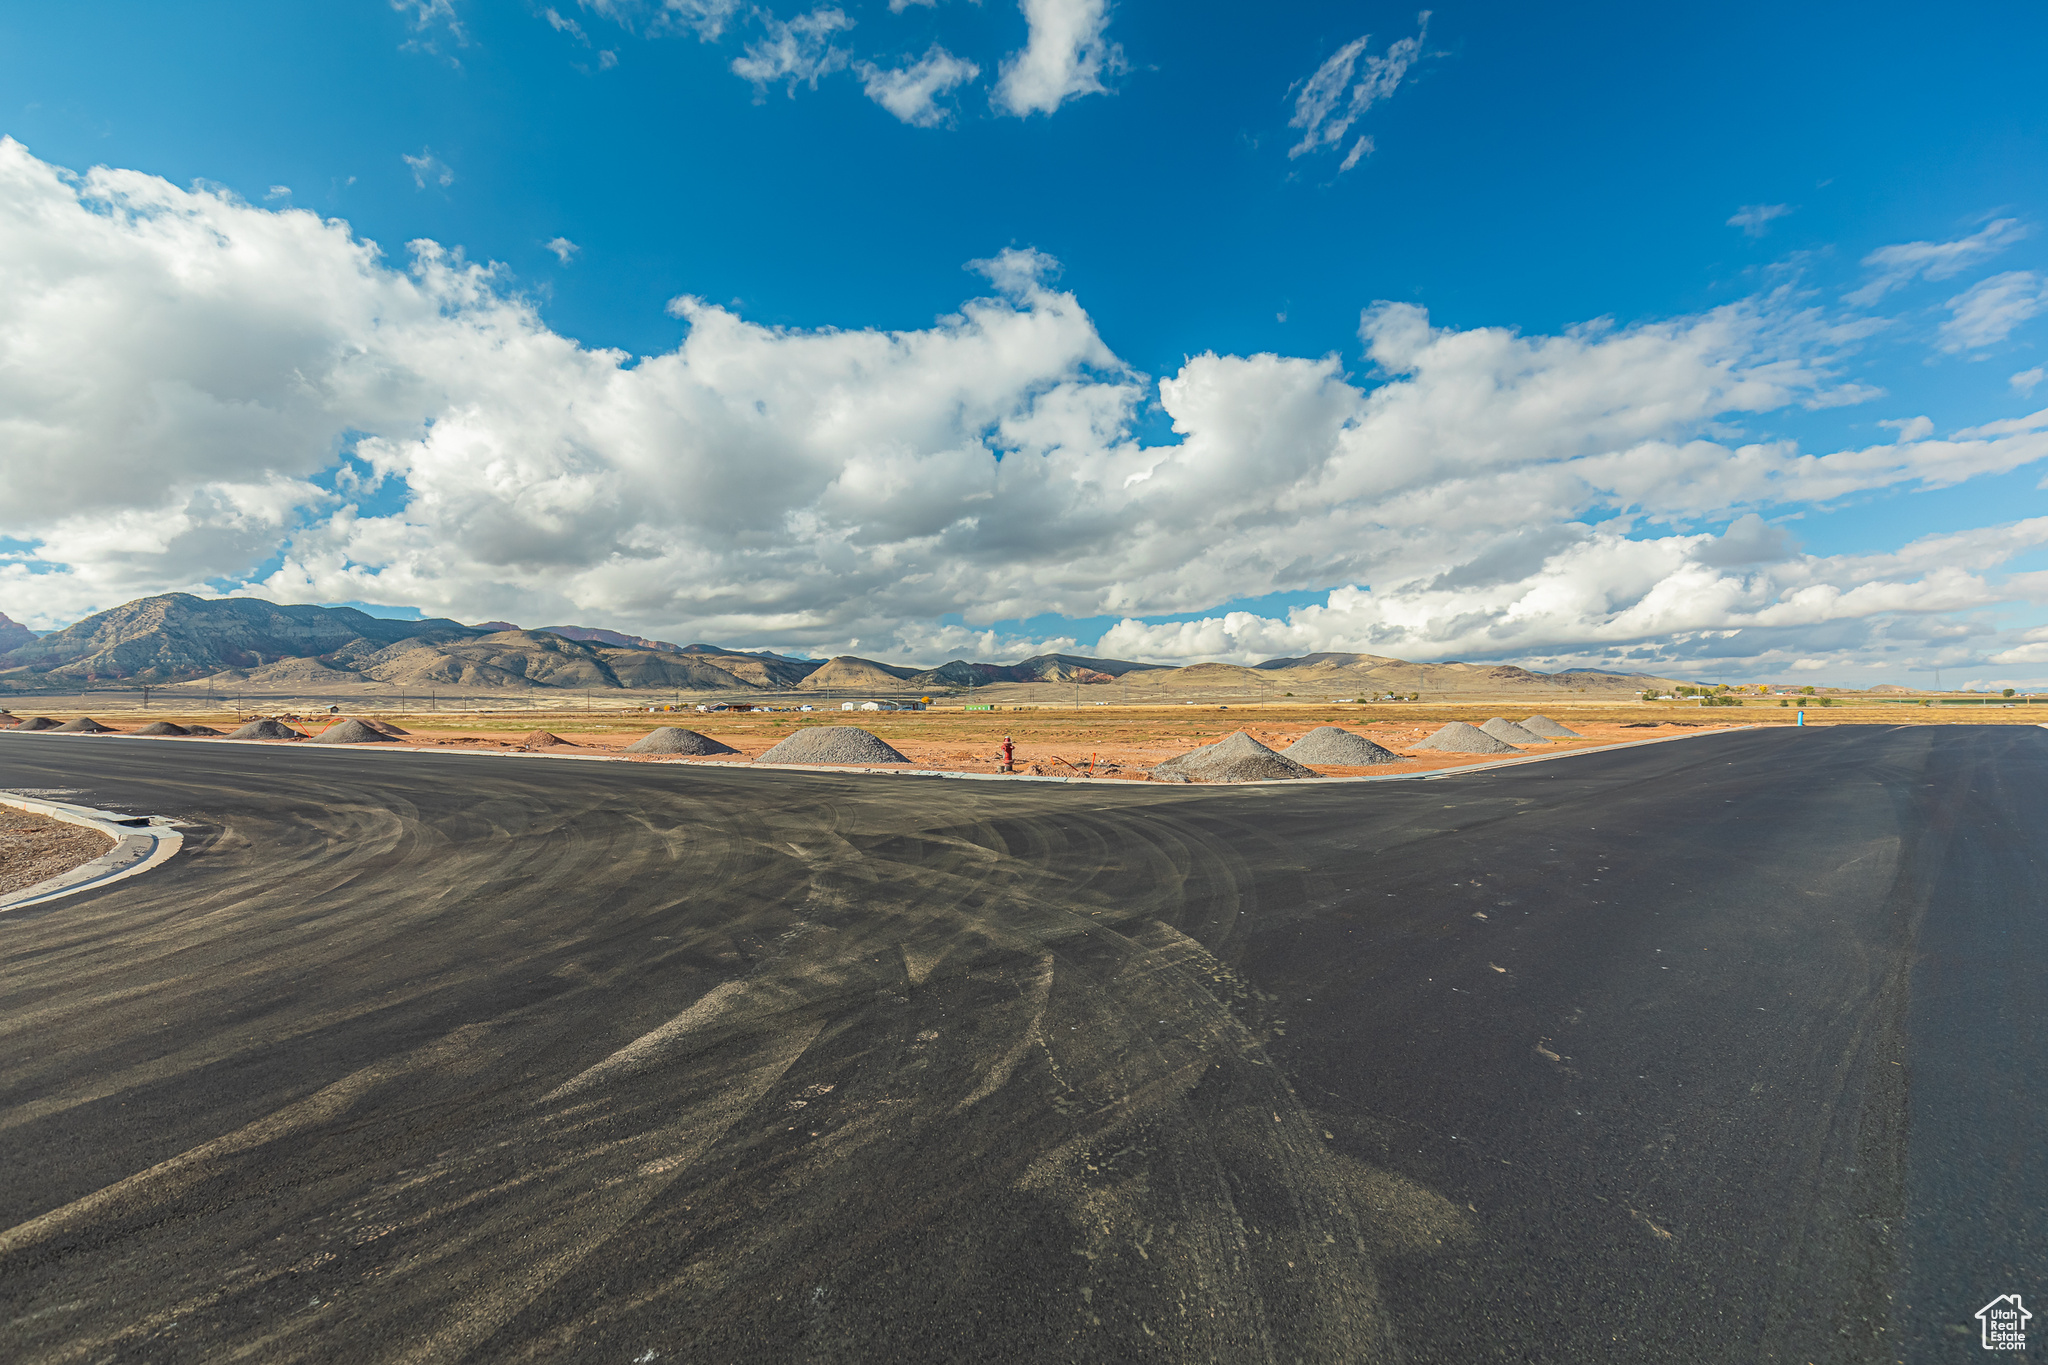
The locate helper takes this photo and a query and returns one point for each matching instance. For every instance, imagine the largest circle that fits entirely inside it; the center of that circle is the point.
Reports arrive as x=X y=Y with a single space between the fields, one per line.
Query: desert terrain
x=1096 y=741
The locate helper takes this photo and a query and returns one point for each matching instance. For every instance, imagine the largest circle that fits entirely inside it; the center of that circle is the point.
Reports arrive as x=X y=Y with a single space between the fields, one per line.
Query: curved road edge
x=1430 y=775
x=141 y=842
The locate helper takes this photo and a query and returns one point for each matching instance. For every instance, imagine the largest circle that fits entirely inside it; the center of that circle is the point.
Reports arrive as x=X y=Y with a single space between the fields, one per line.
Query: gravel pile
x=673 y=739
x=35 y=723
x=201 y=730
x=84 y=725
x=542 y=739
x=1461 y=737
x=266 y=729
x=1331 y=747
x=832 y=744
x=1548 y=728
x=1239 y=758
x=162 y=727
x=1507 y=732
x=351 y=732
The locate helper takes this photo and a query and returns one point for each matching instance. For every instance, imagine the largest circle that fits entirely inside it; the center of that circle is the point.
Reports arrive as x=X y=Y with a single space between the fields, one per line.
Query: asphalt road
x=1728 y=1049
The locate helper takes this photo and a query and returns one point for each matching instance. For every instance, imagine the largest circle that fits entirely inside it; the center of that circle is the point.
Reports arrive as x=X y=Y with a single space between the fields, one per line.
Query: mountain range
x=247 y=642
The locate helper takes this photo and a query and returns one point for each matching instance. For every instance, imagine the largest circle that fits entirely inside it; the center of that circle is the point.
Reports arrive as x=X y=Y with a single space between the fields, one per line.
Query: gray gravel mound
x=162 y=727
x=1332 y=747
x=673 y=739
x=1240 y=758
x=201 y=730
x=35 y=723
x=1548 y=728
x=832 y=744
x=351 y=732
x=1462 y=737
x=84 y=725
x=1506 y=731
x=266 y=729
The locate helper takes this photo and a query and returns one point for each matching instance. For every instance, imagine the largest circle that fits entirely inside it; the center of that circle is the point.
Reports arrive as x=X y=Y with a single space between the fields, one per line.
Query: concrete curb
x=141 y=842
x=892 y=771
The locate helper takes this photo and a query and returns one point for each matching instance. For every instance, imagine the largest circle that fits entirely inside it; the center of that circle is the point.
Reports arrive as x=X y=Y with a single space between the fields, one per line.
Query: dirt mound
x=542 y=739
x=201 y=730
x=1332 y=747
x=35 y=723
x=1548 y=728
x=832 y=744
x=1462 y=737
x=1239 y=758
x=1507 y=732
x=162 y=727
x=266 y=729
x=385 y=727
x=84 y=725
x=351 y=732
x=673 y=739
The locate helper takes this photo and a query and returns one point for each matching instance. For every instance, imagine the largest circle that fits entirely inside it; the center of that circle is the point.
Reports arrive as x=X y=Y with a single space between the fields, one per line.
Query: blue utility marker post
x=1802 y=717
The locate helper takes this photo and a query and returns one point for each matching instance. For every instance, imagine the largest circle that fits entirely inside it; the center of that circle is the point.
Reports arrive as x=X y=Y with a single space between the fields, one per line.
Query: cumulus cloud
x=564 y=249
x=1339 y=93
x=800 y=52
x=1989 y=311
x=1065 y=56
x=911 y=92
x=192 y=387
x=2026 y=381
x=1755 y=219
x=1905 y=262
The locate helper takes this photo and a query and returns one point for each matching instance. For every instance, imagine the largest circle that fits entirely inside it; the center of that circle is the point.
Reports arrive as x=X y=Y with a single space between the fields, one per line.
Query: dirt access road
x=1725 y=1050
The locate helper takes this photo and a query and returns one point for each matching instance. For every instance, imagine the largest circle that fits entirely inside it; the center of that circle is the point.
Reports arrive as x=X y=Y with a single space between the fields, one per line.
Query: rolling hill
x=248 y=643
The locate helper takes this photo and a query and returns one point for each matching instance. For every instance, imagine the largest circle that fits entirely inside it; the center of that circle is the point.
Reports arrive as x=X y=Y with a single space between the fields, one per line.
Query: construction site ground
x=1097 y=741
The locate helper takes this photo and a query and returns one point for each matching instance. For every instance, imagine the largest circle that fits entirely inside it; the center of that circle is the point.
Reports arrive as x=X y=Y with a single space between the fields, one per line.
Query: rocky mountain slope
x=13 y=634
x=252 y=644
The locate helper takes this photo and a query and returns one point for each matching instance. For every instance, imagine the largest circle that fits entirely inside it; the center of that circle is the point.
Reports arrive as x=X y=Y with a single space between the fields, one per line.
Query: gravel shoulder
x=35 y=848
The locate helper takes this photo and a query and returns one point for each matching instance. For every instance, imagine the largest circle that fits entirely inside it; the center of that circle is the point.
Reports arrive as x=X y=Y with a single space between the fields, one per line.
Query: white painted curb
x=140 y=843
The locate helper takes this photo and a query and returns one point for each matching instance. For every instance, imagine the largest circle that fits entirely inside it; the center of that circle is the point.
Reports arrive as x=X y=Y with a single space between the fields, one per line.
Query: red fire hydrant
x=1009 y=754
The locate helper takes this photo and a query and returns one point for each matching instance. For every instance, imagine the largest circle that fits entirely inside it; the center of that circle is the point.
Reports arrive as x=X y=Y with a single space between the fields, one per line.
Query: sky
x=1711 y=343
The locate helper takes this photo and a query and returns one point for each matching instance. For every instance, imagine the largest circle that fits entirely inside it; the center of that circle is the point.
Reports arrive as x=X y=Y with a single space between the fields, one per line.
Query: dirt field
x=1099 y=741
x=34 y=848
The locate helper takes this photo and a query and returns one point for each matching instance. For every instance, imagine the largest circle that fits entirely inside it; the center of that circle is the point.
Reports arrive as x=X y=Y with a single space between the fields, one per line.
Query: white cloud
x=428 y=168
x=910 y=92
x=1907 y=261
x=2026 y=381
x=705 y=18
x=1755 y=219
x=184 y=379
x=800 y=52
x=898 y=6
x=279 y=192
x=1064 y=57
x=1331 y=100
x=1989 y=311
x=564 y=249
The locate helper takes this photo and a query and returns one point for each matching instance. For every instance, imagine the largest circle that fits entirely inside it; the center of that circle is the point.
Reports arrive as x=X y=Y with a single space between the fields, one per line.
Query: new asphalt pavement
x=1727 y=1049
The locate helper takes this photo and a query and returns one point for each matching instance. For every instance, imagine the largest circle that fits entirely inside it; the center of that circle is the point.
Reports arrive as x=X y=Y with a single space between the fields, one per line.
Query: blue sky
x=1530 y=172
